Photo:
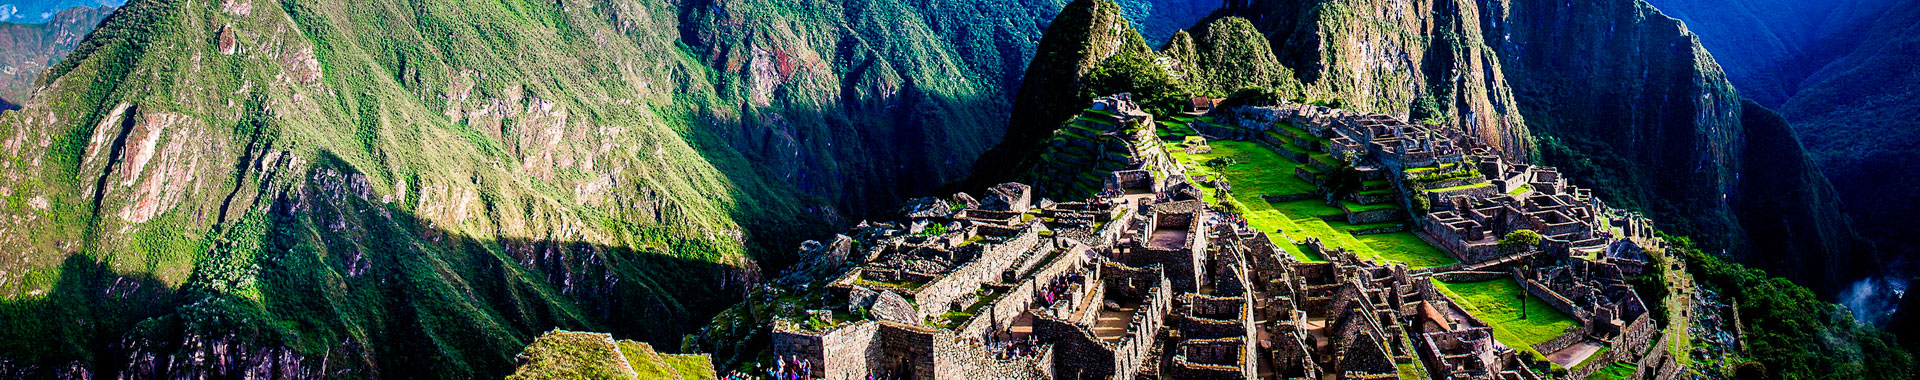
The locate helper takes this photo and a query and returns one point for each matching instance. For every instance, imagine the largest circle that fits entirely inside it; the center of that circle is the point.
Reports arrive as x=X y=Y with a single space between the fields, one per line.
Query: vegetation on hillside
x=416 y=189
x=1791 y=333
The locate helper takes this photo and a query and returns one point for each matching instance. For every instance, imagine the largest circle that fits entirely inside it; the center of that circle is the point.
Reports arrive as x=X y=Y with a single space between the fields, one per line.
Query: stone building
x=1141 y=279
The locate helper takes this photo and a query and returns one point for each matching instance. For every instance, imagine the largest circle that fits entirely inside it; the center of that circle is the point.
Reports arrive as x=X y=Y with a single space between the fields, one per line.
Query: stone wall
x=809 y=347
x=1469 y=276
x=1552 y=299
x=1020 y=298
x=963 y=359
x=1470 y=192
x=849 y=352
x=1454 y=182
x=1657 y=364
x=1573 y=335
x=1372 y=216
x=1224 y=359
x=938 y=297
x=1075 y=352
x=1133 y=282
x=1376 y=198
x=1144 y=333
x=904 y=351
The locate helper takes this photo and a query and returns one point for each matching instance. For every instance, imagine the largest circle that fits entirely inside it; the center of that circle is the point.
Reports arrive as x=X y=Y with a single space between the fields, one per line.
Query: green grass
x=1356 y=207
x=572 y=355
x=1495 y=302
x=1259 y=170
x=647 y=363
x=1405 y=247
x=1461 y=187
x=690 y=366
x=1256 y=171
x=1616 y=371
x=1523 y=189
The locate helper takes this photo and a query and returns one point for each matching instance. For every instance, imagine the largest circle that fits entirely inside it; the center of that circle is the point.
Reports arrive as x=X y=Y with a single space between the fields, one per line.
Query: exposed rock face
x=1414 y=60
x=27 y=49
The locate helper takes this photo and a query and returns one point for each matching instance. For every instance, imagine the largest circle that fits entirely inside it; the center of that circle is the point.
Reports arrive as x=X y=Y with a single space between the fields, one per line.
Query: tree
x=1519 y=241
x=1220 y=163
x=1344 y=180
x=1421 y=204
x=1152 y=87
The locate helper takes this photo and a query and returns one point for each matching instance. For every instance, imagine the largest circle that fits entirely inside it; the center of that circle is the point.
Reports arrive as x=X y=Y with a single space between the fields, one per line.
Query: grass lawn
x=1256 y=171
x=1356 y=207
x=1617 y=371
x=690 y=366
x=1407 y=248
x=1260 y=171
x=1494 y=302
x=1462 y=187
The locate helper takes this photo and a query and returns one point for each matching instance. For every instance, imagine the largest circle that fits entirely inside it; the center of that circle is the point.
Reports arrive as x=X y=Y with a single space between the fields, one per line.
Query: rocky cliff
x=1418 y=60
x=27 y=49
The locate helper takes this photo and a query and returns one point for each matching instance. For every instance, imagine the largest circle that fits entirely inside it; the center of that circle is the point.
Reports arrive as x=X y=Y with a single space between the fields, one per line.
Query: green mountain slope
x=1769 y=47
x=415 y=189
x=1855 y=117
x=1840 y=71
x=27 y=49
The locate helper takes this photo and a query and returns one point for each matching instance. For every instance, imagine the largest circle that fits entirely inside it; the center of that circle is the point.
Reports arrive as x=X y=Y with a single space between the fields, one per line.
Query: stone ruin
x=1144 y=281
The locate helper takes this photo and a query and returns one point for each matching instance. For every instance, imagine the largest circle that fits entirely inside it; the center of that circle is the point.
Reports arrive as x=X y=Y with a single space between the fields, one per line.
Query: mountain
x=1157 y=20
x=42 y=11
x=1613 y=92
x=28 y=49
x=1855 y=116
x=1769 y=47
x=416 y=189
x=1840 y=72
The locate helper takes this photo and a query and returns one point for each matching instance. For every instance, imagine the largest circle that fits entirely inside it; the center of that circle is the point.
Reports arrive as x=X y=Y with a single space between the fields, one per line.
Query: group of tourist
x=1015 y=348
x=1061 y=287
x=791 y=368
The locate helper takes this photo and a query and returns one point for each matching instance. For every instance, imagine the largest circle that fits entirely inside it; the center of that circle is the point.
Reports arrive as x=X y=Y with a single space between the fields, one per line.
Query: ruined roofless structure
x=1145 y=281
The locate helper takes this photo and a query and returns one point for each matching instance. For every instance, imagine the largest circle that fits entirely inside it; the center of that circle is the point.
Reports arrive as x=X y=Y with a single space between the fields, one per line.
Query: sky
x=39 y=11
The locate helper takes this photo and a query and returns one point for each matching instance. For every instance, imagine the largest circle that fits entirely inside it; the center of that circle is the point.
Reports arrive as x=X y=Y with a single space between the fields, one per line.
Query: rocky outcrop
x=1418 y=60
